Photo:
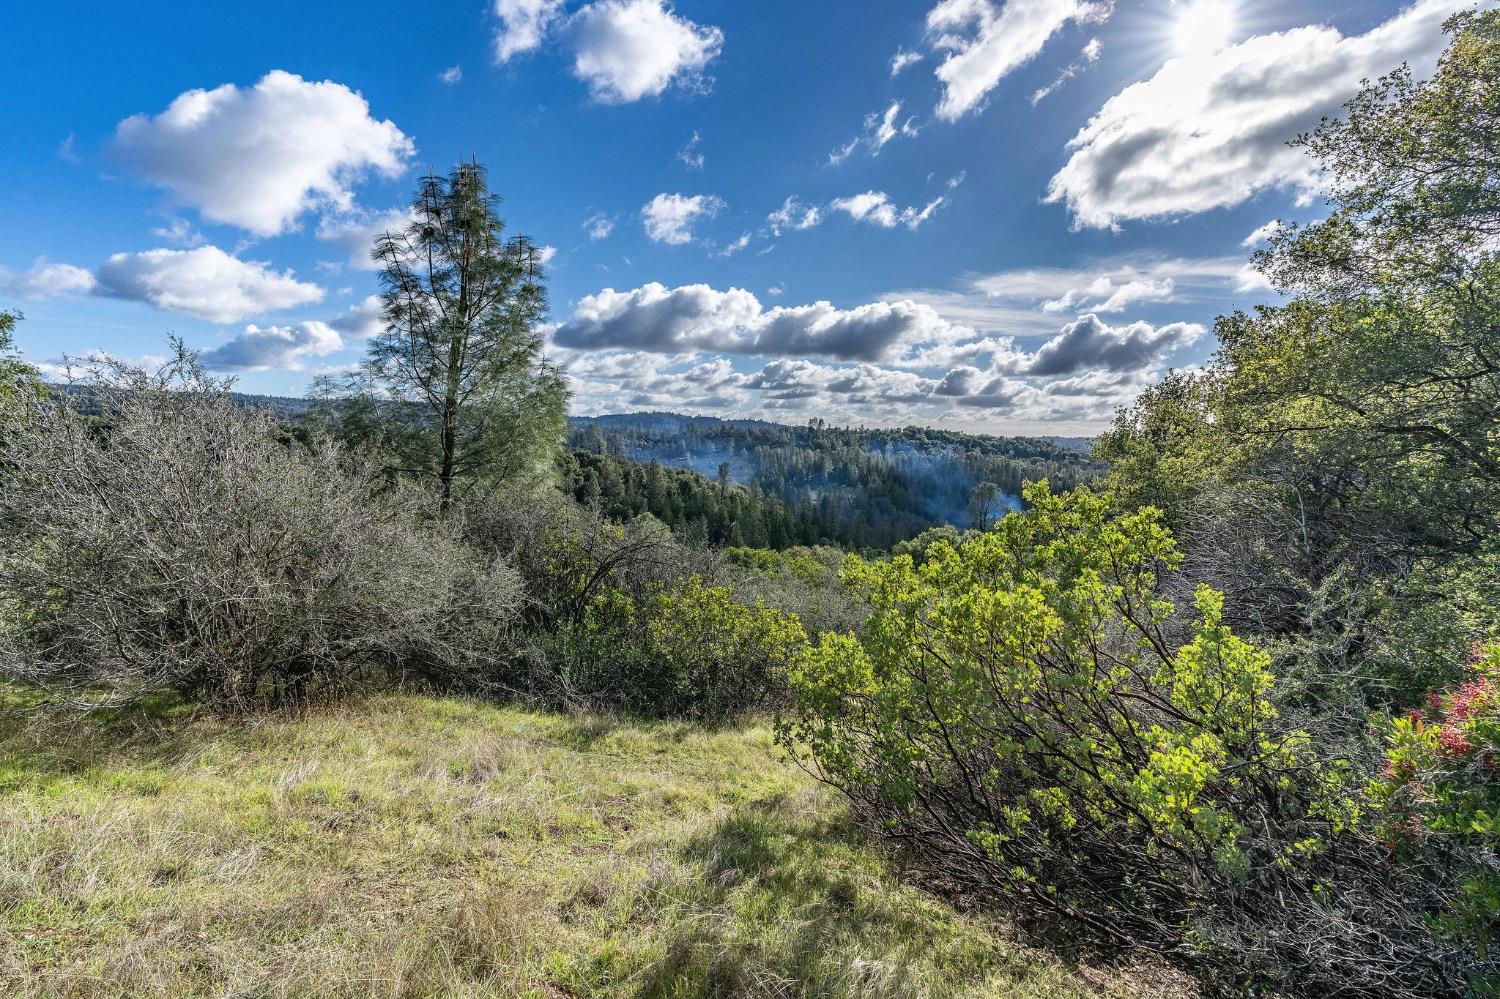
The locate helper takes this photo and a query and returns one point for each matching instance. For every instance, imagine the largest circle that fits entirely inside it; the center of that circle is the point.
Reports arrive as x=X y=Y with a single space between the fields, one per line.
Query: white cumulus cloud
x=876 y=208
x=207 y=283
x=355 y=233
x=669 y=218
x=523 y=25
x=661 y=319
x=794 y=215
x=260 y=156
x=626 y=50
x=44 y=280
x=1090 y=343
x=1209 y=129
x=986 y=39
x=698 y=317
x=361 y=320
x=1104 y=294
x=657 y=347
x=274 y=347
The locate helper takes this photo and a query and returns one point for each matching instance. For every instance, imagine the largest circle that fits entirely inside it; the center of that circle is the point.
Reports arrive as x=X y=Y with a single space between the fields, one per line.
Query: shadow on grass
x=41 y=741
x=802 y=902
x=584 y=732
x=794 y=903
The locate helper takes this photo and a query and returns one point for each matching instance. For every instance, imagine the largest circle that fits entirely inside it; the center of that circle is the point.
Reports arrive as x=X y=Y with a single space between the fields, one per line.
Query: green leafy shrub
x=689 y=649
x=20 y=388
x=918 y=546
x=627 y=617
x=716 y=657
x=19 y=382
x=1045 y=729
x=1439 y=792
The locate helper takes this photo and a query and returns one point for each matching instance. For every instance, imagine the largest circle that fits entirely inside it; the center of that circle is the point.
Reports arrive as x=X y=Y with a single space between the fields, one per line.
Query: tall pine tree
x=465 y=396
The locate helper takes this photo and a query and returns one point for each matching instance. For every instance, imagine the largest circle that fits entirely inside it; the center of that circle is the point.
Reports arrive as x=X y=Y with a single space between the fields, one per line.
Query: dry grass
x=415 y=846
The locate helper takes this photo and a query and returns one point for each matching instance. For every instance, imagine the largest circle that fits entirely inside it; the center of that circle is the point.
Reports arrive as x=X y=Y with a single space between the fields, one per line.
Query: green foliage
x=1336 y=473
x=986 y=503
x=918 y=547
x=800 y=581
x=719 y=657
x=625 y=616
x=19 y=382
x=1028 y=705
x=689 y=649
x=1336 y=469
x=456 y=392
x=703 y=510
x=856 y=487
x=813 y=565
x=1144 y=711
x=1167 y=449
x=1413 y=173
x=1440 y=790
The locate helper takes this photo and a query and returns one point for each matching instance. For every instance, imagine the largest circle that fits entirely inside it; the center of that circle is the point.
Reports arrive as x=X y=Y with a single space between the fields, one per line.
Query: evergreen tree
x=462 y=390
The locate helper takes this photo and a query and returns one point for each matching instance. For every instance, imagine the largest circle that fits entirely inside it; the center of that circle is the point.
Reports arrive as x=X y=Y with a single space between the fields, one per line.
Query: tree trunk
x=450 y=451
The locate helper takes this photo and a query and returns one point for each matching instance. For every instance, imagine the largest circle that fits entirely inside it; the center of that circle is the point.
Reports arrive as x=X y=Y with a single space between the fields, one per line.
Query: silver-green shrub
x=159 y=536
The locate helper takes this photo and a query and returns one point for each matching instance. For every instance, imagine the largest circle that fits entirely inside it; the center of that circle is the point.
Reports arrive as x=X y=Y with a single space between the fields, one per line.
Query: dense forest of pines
x=766 y=485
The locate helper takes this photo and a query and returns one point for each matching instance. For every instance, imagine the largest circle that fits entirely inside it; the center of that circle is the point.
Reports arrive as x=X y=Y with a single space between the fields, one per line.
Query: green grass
x=415 y=846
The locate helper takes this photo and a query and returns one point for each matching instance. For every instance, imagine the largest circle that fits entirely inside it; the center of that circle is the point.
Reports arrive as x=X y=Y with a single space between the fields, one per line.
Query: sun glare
x=1203 y=26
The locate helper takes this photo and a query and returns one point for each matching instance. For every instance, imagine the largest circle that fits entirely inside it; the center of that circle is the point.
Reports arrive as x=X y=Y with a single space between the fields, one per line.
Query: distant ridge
x=660 y=421
x=667 y=422
x=859 y=487
x=286 y=407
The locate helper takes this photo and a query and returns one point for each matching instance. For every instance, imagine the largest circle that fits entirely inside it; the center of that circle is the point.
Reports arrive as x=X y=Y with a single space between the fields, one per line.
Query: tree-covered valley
x=770 y=486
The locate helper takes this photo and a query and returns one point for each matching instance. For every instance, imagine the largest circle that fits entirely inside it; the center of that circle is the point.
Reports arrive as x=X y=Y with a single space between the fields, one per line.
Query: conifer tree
x=465 y=394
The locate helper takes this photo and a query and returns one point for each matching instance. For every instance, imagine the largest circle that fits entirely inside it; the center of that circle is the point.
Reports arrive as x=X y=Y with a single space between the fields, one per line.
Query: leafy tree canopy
x=1352 y=433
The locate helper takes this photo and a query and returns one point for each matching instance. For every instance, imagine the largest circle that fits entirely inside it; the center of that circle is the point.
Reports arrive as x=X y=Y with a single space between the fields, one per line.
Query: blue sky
x=998 y=215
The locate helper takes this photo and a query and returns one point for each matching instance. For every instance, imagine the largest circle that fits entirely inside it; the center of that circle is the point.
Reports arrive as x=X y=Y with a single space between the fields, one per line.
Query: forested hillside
x=809 y=484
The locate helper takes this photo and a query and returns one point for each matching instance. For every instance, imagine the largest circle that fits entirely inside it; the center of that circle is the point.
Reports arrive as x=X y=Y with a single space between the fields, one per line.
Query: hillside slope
x=854 y=487
x=415 y=846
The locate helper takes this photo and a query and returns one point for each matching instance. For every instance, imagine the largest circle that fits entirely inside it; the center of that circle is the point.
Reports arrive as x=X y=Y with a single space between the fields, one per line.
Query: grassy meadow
x=415 y=846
